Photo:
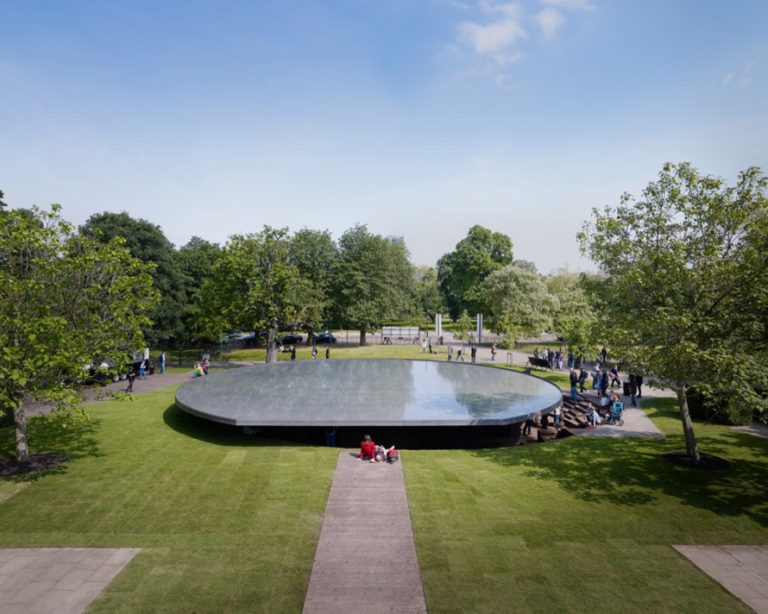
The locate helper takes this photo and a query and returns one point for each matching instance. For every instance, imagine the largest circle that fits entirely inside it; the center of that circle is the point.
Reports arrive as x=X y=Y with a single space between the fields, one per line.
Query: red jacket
x=367 y=448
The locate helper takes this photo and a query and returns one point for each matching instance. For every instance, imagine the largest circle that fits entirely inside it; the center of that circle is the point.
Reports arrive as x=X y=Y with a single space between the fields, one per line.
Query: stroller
x=617 y=411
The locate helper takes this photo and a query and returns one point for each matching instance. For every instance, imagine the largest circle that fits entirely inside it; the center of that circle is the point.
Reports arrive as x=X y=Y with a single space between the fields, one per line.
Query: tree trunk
x=690 y=438
x=362 y=336
x=20 y=418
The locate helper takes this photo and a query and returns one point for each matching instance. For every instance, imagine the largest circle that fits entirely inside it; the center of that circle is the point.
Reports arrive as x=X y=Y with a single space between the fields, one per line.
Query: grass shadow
x=57 y=435
x=633 y=472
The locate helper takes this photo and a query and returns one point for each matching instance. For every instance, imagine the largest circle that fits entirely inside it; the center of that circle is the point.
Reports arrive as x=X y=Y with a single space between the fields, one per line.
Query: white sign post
x=479 y=327
x=438 y=325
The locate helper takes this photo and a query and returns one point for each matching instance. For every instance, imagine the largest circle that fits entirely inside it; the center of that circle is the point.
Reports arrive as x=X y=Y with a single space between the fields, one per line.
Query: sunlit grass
x=584 y=524
x=228 y=522
x=225 y=522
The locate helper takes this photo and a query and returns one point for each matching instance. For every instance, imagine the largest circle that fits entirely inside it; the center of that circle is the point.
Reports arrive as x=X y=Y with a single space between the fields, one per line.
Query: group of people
x=602 y=380
x=201 y=368
x=374 y=453
x=292 y=350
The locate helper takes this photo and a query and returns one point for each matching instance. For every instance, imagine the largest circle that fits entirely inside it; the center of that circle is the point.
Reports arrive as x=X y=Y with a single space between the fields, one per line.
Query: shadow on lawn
x=632 y=472
x=55 y=436
x=216 y=433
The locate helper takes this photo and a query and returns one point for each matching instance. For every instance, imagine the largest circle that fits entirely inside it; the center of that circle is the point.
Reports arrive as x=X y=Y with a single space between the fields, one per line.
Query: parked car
x=292 y=338
x=323 y=338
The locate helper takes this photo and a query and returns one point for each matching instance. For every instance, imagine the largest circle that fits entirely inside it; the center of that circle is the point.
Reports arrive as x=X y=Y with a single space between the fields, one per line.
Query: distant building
x=395 y=240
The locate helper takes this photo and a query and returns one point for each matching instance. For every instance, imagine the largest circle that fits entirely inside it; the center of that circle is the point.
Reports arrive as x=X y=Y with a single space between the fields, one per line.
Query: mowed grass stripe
x=216 y=536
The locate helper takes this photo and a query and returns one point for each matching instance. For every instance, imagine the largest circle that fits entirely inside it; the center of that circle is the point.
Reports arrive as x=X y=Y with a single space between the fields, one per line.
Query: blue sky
x=417 y=118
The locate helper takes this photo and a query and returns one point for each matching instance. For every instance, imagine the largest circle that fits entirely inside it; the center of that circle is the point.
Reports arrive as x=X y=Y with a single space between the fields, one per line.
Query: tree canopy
x=684 y=293
x=147 y=242
x=65 y=301
x=373 y=280
x=462 y=271
x=518 y=302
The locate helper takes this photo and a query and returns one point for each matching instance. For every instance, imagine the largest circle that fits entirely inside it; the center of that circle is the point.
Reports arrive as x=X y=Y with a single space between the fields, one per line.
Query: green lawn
x=226 y=522
x=583 y=524
x=230 y=523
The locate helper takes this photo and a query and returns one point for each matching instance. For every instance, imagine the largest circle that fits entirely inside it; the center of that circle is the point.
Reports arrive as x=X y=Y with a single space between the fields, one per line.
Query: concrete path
x=57 y=580
x=95 y=394
x=742 y=570
x=366 y=558
x=636 y=423
x=756 y=429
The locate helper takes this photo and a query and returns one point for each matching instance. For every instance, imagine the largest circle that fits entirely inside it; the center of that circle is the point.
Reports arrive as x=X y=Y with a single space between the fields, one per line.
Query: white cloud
x=741 y=78
x=579 y=5
x=510 y=11
x=550 y=21
x=492 y=38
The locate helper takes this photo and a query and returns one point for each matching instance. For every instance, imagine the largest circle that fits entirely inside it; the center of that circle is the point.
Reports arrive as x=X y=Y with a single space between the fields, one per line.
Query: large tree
x=147 y=242
x=518 y=302
x=315 y=255
x=685 y=267
x=373 y=280
x=461 y=272
x=255 y=286
x=574 y=318
x=65 y=301
x=197 y=261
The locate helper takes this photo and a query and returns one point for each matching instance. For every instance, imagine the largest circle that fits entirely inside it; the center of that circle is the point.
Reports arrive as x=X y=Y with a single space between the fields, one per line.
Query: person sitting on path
x=367 y=449
x=593 y=417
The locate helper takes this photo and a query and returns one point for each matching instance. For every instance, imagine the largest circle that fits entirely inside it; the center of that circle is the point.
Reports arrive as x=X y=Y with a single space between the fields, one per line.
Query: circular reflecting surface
x=375 y=392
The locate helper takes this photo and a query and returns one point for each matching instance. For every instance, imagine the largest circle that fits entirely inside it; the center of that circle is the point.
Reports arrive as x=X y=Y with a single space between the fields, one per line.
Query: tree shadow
x=632 y=472
x=52 y=436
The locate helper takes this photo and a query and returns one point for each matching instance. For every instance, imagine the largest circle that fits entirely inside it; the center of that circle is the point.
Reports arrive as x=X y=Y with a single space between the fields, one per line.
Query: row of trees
x=682 y=292
x=274 y=279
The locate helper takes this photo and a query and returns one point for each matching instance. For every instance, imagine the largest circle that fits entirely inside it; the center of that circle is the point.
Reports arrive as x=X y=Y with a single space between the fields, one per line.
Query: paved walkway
x=94 y=394
x=57 y=580
x=636 y=423
x=742 y=570
x=366 y=559
x=756 y=429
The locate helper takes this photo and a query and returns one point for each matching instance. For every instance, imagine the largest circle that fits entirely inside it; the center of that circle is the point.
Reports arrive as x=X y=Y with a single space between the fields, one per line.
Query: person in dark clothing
x=639 y=382
x=131 y=379
x=582 y=378
x=633 y=390
x=328 y=353
x=574 y=380
x=604 y=383
x=473 y=354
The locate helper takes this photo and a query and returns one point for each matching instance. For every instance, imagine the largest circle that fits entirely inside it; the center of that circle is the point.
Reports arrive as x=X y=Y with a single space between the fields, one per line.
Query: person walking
x=314 y=352
x=639 y=382
x=493 y=353
x=328 y=353
x=143 y=369
x=473 y=354
x=162 y=363
x=293 y=352
x=131 y=379
x=450 y=353
x=633 y=390
x=429 y=342
x=460 y=353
